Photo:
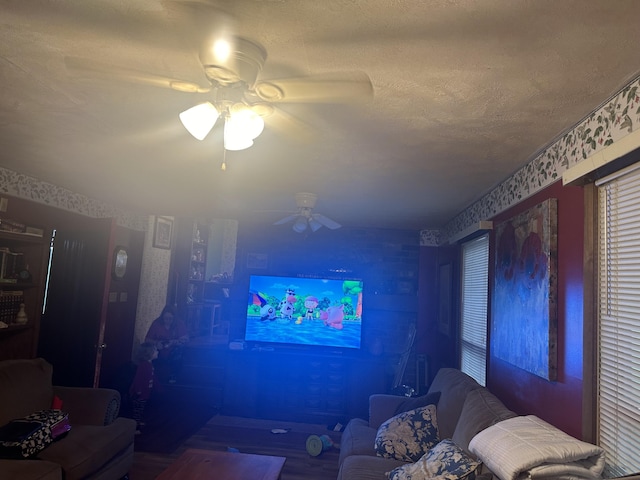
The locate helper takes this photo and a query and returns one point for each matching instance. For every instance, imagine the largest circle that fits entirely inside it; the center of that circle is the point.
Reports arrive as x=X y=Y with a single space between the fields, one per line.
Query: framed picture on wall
x=524 y=316
x=162 y=233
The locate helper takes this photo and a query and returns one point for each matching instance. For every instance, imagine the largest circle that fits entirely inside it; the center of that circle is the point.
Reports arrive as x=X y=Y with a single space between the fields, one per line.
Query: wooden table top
x=195 y=464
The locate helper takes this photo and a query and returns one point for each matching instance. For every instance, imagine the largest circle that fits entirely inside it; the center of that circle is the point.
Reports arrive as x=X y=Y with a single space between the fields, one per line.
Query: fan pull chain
x=223 y=167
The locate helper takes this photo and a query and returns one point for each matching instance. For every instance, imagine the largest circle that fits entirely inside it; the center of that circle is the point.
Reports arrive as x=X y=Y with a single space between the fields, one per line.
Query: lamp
x=300 y=225
x=242 y=125
x=314 y=224
x=199 y=120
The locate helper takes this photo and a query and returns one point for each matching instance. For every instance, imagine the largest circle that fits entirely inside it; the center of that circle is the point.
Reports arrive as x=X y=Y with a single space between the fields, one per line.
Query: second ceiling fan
x=305 y=218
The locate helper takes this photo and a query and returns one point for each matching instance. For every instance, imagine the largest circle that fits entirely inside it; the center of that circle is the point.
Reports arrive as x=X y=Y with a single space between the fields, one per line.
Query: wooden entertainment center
x=301 y=385
x=304 y=383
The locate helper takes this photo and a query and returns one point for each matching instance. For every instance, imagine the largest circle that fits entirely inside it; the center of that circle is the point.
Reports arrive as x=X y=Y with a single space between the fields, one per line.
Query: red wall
x=559 y=402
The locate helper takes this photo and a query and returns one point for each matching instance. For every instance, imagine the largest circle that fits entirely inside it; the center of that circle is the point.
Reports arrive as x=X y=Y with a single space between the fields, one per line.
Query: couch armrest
x=382 y=407
x=89 y=406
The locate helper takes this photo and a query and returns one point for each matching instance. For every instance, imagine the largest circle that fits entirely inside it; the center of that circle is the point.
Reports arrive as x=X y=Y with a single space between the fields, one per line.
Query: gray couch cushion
x=481 y=409
x=453 y=386
x=363 y=467
x=357 y=439
x=29 y=470
x=86 y=448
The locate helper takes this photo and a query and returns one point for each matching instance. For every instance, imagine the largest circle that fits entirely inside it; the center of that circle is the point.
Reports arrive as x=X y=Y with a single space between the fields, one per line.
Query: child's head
x=147 y=351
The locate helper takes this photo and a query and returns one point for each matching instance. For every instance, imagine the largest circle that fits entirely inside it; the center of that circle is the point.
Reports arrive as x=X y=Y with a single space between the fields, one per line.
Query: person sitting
x=169 y=334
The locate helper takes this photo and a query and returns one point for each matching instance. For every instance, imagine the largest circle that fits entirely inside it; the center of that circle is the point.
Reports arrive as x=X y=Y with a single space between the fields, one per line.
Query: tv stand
x=301 y=385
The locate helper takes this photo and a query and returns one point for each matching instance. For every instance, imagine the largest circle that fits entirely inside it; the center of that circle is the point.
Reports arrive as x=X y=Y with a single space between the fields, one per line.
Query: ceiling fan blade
x=289 y=126
x=95 y=69
x=327 y=222
x=288 y=219
x=323 y=88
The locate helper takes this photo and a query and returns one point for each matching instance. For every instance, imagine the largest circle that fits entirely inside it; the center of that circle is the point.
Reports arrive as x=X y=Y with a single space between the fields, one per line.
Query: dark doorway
x=71 y=330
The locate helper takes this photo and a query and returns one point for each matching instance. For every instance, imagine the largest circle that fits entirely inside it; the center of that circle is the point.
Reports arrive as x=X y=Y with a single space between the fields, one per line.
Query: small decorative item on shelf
x=24 y=275
x=21 y=317
x=10 y=301
x=9 y=225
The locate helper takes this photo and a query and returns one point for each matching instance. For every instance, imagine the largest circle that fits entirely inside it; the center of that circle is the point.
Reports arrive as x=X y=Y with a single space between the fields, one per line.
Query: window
x=618 y=384
x=473 y=320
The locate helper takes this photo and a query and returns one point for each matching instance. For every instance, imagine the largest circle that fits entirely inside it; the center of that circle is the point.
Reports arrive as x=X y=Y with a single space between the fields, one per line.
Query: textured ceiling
x=465 y=92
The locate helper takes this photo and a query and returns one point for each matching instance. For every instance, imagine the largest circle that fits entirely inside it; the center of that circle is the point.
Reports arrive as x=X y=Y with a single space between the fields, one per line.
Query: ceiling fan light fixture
x=242 y=125
x=246 y=120
x=306 y=200
x=314 y=224
x=240 y=65
x=222 y=50
x=300 y=225
x=234 y=137
x=200 y=119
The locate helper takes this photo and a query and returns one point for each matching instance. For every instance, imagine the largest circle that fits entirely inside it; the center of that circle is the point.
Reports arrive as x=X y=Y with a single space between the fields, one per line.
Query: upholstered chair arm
x=89 y=406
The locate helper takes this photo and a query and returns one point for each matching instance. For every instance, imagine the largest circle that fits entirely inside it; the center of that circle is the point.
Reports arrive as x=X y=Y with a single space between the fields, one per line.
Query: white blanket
x=527 y=447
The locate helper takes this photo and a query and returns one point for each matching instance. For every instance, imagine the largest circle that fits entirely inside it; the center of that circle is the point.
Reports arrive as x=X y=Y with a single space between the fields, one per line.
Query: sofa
x=470 y=424
x=99 y=444
x=464 y=408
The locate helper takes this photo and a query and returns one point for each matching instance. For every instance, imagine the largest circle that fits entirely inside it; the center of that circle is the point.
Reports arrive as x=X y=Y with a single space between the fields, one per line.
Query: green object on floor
x=318 y=444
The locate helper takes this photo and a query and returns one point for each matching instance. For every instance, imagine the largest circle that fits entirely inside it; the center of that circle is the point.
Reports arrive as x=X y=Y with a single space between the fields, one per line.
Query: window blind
x=473 y=322
x=618 y=392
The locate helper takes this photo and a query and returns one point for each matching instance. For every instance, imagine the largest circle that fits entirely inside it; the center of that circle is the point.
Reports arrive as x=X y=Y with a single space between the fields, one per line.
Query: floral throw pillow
x=445 y=461
x=408 y=435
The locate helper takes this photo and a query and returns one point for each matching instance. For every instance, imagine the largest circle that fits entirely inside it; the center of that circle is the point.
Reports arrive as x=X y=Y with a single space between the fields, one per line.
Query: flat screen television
x=317 y=312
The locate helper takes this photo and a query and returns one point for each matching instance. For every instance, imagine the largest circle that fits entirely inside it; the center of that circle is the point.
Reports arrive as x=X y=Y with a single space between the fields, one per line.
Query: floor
x=235 y=434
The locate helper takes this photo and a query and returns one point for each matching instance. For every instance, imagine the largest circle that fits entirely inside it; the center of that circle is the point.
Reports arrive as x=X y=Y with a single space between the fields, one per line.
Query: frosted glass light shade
x=199 y=120
x=246 y=120
x=300 y=225
x=235 y=137
x=241 y=127
x=314 y=224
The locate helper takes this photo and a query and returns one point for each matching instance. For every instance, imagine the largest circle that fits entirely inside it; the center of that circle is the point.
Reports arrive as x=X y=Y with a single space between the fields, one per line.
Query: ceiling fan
x=305 y=218
x=232 y=66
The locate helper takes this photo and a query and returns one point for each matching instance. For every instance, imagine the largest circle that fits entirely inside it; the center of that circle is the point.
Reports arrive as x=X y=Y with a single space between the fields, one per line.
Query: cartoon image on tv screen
x=304 y=311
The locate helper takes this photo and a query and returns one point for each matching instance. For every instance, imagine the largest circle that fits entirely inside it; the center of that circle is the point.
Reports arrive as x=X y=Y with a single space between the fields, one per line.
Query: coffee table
x=196 y=464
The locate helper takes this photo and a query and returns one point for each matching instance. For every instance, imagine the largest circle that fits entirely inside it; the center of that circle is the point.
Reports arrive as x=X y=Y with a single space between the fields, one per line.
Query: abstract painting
x=524 y=315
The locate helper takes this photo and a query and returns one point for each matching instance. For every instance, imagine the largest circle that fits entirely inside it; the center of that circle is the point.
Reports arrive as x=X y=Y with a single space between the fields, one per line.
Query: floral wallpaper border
x=30 y=188
x=613 y=120
x=616 y=118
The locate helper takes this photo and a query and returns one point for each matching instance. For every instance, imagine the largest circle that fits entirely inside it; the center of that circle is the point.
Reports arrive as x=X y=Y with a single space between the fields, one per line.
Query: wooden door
x=121 y=309
x=72 y=326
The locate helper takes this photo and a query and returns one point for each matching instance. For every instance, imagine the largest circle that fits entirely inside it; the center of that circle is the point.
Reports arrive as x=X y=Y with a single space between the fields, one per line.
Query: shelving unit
x=22 y=268
x=197 y=264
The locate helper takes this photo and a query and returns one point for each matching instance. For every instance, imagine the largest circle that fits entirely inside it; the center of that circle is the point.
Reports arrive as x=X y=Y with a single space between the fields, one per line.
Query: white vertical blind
x=619 y=323
x=473 y=323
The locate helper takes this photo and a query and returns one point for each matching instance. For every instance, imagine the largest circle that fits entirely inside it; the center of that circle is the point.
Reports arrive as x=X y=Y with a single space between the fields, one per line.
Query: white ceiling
x=465 y=92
